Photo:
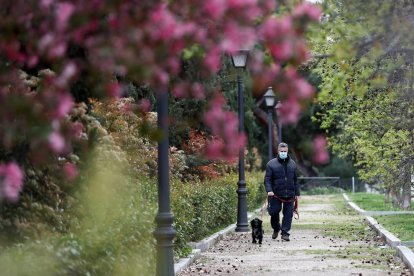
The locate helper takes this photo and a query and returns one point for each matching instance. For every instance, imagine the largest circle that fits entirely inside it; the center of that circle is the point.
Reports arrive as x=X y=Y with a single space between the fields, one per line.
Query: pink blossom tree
x=143 y=41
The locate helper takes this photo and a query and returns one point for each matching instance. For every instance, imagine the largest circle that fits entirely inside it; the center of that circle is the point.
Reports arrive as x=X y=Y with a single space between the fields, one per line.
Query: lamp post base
x=242 y=228
x=242 y=224
x=164 y=235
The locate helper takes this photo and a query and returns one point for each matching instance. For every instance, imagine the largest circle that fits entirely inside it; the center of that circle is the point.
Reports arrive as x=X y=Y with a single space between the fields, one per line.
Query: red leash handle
x=296 y=208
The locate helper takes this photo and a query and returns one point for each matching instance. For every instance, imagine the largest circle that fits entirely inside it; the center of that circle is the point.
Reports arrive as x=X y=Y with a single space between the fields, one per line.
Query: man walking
x=282 y=188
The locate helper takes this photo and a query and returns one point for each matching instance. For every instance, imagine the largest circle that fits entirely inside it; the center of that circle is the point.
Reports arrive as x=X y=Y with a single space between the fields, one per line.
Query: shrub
x=201 y=208
x=110 y=232
x=134 y=133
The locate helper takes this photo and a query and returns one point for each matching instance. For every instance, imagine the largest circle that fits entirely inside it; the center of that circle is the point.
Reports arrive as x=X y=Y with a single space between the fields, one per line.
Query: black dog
x=257 y=230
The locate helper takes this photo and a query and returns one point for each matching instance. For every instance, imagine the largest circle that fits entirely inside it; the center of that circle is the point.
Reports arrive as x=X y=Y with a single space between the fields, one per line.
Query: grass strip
x=401 y=226
x=372 y=202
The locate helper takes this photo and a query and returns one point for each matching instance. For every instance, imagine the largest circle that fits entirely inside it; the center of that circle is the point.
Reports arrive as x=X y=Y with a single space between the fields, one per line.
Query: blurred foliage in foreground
x=103 y=223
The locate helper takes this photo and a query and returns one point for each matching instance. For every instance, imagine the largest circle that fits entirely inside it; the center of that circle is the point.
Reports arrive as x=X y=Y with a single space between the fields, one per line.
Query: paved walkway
x=329 y=239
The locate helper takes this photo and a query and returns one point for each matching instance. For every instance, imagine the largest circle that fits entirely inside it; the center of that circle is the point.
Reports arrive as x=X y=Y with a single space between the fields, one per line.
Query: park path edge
x=210 y=241
x=402 y=251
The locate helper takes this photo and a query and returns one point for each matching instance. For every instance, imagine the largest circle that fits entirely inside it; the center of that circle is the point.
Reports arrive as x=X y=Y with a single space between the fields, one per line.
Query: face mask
x=283 y=155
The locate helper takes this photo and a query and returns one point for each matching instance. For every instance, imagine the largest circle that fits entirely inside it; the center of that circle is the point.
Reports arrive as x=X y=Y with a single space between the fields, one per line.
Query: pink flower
x=269 y=5
x=232 y=124
x=267 y=29
x=303 y=88
x=294 y=85
x=215 y=115
x=32 y=61
x=63 y=13
x=45 y=41
x=197 y=91
x=233 y=147
x=161 y=77
x=184 y=89
x=174 y=65
x=276 y=29
x=58 y=50
x=46 y=3
x=212 y=60
x=307 y=10
x=12 y=51
x=56 y=142
x=284 y=26
x=281 y=51
x=65 y=105
x=113 y=21
x=77 y=129
x=223 y=125
x=289 y=110
x=249 y=5
x=144 y=105
x=179 y=90
x=12 y=181
x=128 y=108
x=320 y=153
x=70 y=171
x=163 y=24
x=114 y=90
x=187 y=28
x=215 y=8
x=237 y=37
x=215 y=149
x=68 y=72
x=302 y=53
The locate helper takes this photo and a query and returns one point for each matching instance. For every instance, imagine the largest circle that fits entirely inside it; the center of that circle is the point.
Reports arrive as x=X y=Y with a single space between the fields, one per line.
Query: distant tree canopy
x=365 y=56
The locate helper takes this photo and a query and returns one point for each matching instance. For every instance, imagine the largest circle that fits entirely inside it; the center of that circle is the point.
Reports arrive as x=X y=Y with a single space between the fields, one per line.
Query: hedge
x=201 y=208
x=113 y=234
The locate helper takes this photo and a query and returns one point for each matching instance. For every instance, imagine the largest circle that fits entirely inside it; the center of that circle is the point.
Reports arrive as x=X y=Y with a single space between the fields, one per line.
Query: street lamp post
x=239 y=60
x=279 y=125
x=269 y=97
x=164 y=233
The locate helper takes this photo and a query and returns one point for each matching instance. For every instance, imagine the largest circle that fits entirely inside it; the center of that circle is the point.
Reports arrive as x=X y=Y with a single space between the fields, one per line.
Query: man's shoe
x=274 y=235
x=285 y=237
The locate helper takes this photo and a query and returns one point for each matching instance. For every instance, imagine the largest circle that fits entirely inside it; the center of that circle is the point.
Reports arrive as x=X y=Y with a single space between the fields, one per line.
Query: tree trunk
x=399 y=196
x=394 y=197
x=406 y=197
x=387 y=196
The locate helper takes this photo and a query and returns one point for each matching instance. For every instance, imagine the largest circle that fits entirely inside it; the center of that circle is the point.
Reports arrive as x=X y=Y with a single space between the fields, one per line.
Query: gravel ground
x=326 y=240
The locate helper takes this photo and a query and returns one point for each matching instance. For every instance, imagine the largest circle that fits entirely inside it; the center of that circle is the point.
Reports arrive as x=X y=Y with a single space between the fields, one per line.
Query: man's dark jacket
x=280 y=177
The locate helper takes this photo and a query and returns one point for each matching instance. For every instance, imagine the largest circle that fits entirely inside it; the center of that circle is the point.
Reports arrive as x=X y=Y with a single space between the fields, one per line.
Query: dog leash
x=263 y=208
x=295 y=206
